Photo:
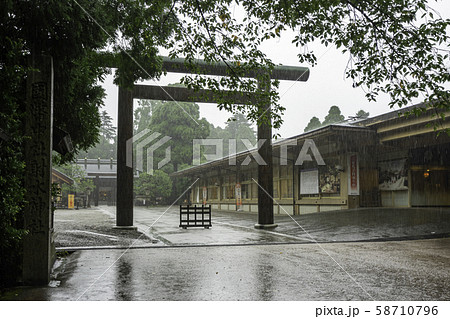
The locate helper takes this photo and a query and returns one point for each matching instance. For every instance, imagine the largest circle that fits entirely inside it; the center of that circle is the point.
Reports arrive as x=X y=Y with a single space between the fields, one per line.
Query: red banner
x=238 y=196
x=353 y=175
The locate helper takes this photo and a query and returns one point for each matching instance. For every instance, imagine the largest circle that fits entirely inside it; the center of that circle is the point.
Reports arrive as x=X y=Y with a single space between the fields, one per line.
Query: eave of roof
x=389 y=116
x=62 y=176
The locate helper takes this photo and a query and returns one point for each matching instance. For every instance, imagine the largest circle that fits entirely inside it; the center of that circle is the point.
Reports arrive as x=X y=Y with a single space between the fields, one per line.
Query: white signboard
x=309 y=182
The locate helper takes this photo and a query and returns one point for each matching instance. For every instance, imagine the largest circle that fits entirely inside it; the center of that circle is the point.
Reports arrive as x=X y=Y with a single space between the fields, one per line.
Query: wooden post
x=38 y=250
x=265 y=172
x=124 y=209
x=96 y=190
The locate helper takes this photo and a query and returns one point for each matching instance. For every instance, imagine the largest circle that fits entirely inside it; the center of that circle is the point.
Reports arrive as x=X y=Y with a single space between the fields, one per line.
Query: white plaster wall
x=308 y=209
x=286 y=209
x=327 y=208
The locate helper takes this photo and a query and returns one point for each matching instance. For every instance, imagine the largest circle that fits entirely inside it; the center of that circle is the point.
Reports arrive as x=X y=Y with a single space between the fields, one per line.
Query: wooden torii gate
x=124 y=208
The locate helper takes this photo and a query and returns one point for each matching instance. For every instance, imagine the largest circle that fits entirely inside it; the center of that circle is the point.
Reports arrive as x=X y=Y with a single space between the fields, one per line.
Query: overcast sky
x=326 y=86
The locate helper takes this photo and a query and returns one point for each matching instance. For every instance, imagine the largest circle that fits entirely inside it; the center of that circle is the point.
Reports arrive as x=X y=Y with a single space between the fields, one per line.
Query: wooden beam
x=419 y=131
x=280 y=72
x=181 y=94
x=407 y=123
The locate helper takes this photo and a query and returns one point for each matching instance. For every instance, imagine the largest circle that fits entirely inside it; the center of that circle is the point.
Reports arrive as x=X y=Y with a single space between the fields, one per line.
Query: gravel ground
x=93 y=227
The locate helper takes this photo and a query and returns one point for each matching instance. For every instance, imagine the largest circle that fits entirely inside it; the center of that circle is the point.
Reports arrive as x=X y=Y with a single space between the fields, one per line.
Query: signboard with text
x=238 y=196
x=205 y=195
x=353 y=175
x=71 y=201
x=309 y=181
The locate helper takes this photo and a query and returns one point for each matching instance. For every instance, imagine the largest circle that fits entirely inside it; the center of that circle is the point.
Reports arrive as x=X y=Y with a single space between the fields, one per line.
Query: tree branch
x=213 y=42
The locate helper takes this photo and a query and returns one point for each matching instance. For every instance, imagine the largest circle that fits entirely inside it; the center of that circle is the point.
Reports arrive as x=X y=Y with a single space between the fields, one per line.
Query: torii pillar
x=265 y=172
x=124 y=209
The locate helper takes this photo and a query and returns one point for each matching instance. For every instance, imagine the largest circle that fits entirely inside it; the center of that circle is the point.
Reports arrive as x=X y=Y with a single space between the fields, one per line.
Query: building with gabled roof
x=388 y=160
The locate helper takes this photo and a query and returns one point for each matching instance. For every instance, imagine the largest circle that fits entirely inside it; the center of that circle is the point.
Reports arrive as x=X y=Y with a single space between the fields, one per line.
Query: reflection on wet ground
x=365 y=224
x=370 y=224
x=404 y=270
x=364 y=254
x=94 y=228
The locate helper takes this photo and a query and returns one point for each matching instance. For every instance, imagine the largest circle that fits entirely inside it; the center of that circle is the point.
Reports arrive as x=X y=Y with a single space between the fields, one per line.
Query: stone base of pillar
x=266 y=226
x=125 y=227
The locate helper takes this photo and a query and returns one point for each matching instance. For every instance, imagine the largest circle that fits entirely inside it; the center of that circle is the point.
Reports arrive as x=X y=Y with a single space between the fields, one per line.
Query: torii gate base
x=266 y=226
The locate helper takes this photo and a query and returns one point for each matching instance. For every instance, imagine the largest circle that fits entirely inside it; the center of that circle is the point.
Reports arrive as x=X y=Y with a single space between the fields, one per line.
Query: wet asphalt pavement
x=366 y=254
x=160 y=226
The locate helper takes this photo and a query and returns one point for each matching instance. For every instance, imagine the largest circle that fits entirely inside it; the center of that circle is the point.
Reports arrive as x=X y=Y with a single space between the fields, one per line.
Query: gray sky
x=326 y=86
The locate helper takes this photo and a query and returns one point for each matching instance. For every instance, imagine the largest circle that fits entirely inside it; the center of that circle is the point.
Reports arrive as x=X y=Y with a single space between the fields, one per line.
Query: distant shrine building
x=383 y=161
x=103 y=172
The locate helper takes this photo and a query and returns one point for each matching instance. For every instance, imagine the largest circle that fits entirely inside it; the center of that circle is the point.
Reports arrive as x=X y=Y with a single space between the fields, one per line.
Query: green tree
x=238 y=128
x=216 y=133
x=361 y=114
x=181 y=122
x=106 y=146
x=314 y=123
x=73 y=32
x=178 y=120
x=156 y=187
x=180 y=185
x=107 y=130
x=12 y=164
x=143 y=114
x=334 y=116
x=397 y=47
x=379 y=36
